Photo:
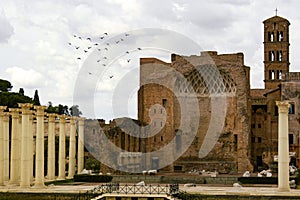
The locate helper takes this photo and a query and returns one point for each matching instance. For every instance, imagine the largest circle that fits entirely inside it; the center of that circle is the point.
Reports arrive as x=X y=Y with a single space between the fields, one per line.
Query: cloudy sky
x=36 y=54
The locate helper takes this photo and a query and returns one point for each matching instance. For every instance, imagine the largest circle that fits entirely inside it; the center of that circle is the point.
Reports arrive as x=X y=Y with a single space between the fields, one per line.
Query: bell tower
x=276 y=50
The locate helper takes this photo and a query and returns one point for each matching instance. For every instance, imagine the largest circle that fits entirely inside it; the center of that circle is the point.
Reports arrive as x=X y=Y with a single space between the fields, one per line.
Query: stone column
x=283 y=146
x=51 y=147
x=31 y=148
x=80 y=154
x=6 y=146
x=39 y=151
x=72 y=148
x=25 y=142
x=15 y=147
x=62 y=149
x=19 y=152
x=2 y=108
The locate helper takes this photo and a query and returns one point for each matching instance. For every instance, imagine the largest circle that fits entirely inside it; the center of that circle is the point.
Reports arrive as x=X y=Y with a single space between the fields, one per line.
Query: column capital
x=62 y=118
x=5 y=116
x=283 y=106
x=15 y=112
x=40 y=110
x=72 y=119
x=51 y=117
x=2 y=108
x=25 y=108
x=25 y=105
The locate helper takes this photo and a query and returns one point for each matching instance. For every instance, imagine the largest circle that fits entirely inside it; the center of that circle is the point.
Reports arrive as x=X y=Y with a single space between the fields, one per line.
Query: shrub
x=92 y=178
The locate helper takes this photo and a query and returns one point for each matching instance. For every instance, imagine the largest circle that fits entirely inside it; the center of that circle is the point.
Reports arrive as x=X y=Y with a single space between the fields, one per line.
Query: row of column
x=21 y=151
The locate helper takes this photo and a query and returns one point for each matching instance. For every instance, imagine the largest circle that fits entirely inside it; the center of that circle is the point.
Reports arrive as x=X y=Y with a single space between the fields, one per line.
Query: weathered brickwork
x=171 y=95
x=231 y=148
x=280 y=84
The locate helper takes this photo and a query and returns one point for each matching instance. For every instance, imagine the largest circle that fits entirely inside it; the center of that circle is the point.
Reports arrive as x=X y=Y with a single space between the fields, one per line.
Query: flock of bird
x=92 y=45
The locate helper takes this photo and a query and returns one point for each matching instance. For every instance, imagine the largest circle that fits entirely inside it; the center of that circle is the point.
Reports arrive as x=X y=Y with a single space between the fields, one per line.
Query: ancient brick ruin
x=237 y=127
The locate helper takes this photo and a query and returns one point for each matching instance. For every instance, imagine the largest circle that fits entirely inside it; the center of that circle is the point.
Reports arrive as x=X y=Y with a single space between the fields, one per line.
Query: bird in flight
x=111 y=76
x=128 y=60
x=139 y=48
x=76 y=47
x=127 y=51
x=89 y=47
x=89 y=39
x=85 y=51
x=90 y=73
x=70 y=43
x=78 y=58
x=105 y=33
x=80 y=38
x=126 y=34
x=101 y=37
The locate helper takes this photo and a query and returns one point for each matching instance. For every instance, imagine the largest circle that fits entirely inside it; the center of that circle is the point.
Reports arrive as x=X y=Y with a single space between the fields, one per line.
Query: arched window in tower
x=271 y=36
x=272 y=74
x=277 y=55
x=280 y=74
x=280 y=56
x=280 y=36
x=271 y=56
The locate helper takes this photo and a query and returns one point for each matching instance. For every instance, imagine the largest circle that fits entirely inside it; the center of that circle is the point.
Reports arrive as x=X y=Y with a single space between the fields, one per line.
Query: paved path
x=50 y=189
x=242 y=191
x=199 y=189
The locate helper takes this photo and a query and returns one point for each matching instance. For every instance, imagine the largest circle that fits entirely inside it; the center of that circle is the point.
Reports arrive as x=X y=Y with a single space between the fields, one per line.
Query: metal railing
x=116 y=188
x=136 y=189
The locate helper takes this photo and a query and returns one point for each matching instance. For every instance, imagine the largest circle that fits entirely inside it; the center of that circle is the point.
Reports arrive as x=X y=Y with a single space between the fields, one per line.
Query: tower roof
x=276 y=19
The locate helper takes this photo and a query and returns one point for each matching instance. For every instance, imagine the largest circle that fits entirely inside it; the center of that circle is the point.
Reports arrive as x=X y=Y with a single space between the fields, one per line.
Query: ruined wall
x=233 y=145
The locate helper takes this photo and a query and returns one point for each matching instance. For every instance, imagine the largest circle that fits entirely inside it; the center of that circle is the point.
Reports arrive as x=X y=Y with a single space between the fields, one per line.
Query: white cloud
x=26 y=78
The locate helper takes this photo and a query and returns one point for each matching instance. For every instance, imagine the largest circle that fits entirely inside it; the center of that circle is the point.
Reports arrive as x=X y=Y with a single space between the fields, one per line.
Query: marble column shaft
x=2 y=108
x=72 y=148
x=80 y=154
x=283 y=146
x=51 y=147
x=6 y=146
x=39 y=152
x=31 y=149
x=62 y=149
x=25 y=142
x=15 y=147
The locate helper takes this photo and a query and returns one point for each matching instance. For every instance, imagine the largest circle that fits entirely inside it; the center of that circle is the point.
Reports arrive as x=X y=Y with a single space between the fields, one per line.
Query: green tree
x=36 y=98
x=5 y=86
x=51 y=109
x=63 y=110
x=11 y=99
x=74 y=111
x=21 y=91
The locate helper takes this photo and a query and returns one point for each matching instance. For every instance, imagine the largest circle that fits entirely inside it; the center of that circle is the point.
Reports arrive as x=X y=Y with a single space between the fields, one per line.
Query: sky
x=38 y=41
